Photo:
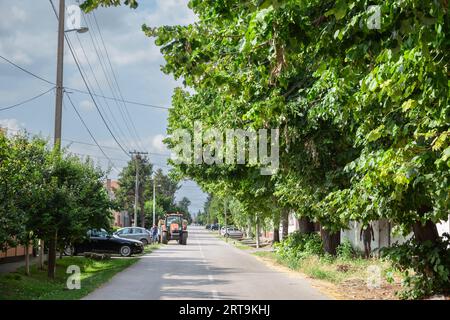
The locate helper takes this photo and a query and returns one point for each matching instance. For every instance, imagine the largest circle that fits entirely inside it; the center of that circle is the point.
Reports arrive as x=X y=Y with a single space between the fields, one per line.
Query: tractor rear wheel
x=183 y=238
x=164 y=237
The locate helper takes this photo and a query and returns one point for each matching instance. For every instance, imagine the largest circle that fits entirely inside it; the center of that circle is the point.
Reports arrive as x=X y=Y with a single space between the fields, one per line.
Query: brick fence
x=11 y=253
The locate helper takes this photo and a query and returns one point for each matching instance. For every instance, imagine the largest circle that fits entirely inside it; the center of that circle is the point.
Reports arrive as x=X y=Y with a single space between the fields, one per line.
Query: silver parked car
x=232 y=232
x=135 y=233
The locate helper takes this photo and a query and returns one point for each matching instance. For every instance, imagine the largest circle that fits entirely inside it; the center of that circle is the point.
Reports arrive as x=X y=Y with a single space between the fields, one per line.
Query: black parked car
x=214 y=226
x=102 y=241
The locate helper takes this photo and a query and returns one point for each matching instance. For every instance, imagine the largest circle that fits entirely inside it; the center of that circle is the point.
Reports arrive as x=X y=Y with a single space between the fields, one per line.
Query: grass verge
x=151 y=247
x=355 y=278
x=18 y=286
x=232 y=241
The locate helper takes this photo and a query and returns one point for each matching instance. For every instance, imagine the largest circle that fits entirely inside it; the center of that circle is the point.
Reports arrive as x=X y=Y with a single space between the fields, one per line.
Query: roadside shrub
x=115 y=228
x=425 y=266
x=299 y=245
x=345 y=250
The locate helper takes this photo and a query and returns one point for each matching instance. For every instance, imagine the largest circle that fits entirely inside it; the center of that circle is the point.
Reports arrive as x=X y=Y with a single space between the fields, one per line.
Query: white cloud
x=158 y=145
x=120 y=57
x=87 y=105
x=170 y=12
x=12 y=125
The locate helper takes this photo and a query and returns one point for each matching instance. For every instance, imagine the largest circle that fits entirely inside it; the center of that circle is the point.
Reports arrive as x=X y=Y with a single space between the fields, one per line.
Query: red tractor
x=173 y=227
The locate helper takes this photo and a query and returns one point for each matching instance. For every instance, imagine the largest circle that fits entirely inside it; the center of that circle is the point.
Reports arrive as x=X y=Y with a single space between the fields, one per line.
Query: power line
x=93 y=100
x=125 y=101
x=107 y=80
x=99 y=87
x=89 y=131
x=94 y=145
x=111 y=159
x=26 y=101
x=26 y=71
x=114 y=75
x=82 y=91
x=98 y=157
x=127 y=120
x=87 y=87
x=114 y=148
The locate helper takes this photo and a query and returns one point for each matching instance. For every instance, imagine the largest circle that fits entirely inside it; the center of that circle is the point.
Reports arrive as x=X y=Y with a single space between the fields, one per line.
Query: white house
x=384 y=237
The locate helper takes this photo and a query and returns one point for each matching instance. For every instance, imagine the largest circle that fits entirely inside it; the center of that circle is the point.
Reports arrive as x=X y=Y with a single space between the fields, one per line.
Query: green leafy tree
x=363 y=112
x=127 y=186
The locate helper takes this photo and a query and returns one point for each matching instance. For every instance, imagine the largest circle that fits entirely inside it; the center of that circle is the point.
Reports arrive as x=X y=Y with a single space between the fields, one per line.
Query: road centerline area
x=202 y=269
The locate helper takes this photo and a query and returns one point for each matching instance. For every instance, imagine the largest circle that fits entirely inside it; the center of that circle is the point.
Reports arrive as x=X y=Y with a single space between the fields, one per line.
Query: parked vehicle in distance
x=136 y=233
x=214 y=226
x=102 y=242
x=223 y=230
x=173 y=227
x=208 y=226
x=234 y=232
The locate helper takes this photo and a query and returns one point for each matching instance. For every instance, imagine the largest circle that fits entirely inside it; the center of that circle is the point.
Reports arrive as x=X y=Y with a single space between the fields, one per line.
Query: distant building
x=121 y=218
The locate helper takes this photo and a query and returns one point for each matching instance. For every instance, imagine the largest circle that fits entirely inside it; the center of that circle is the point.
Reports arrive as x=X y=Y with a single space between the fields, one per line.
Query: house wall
x=444 y=226
x=384 y=237
x=382 y=233
x=293 y=224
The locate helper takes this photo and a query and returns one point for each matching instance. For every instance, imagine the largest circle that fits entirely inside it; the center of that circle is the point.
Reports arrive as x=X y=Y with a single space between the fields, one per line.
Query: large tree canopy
x=363 y=112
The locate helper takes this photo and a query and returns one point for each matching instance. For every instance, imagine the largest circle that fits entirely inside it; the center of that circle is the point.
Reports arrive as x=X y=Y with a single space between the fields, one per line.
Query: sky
x=28 y=38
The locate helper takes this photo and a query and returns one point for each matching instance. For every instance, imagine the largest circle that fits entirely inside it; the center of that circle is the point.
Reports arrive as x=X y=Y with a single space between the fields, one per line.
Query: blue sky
x=28 y=36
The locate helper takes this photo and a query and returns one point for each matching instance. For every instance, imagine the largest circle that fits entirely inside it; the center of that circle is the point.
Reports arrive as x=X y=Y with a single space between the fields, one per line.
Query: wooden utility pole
x=59 y=75
x=154 y=200
x=58 y=121
x=136 y=154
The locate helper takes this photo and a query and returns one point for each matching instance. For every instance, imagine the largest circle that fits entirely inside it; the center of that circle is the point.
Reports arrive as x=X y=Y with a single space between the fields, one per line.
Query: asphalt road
x=206 y=268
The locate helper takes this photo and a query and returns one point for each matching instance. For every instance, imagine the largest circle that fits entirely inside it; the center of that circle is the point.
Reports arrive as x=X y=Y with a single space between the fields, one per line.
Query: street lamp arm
x=79 y=30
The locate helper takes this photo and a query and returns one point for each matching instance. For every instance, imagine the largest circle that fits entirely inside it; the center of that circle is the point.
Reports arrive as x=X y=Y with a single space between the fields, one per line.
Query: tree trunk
x=27 y=259
x=330 y=241
x=250 y=228
x=276 y=235
x=41 y=255
x=257 y=232
x=428 y=231
x=285 y=223
x=276 y=227
x=52 y=256
x=305 y=225
x=425 y=232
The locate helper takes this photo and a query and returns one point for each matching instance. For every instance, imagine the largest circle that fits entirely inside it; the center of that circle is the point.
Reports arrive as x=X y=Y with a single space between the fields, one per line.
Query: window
x=98 y=233
x=127 y=231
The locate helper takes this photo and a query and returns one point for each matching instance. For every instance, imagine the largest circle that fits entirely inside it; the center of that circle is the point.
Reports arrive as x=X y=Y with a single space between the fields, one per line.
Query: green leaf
x=375 y=134
x=409 y=104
